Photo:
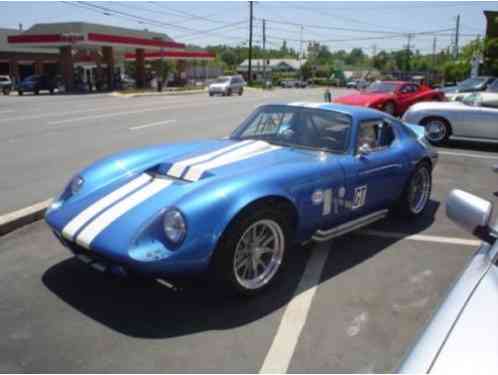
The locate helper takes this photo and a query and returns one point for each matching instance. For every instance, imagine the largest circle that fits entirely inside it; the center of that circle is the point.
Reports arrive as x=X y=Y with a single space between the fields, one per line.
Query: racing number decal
x=360 y=196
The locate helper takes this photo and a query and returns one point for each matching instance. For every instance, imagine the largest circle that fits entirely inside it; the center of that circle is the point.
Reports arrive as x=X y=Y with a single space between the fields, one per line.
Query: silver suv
x=227 y=85
x=5 y=84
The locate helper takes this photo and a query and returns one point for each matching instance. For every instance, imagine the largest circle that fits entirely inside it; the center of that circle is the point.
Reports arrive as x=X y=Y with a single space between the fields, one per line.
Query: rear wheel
x=389 y=107
x=37 y=92
x=6 y=90
x=252 y=251
x=20 y=92
x=437 y=130
x=417 y=192
x=229 y=92
x=241 y=91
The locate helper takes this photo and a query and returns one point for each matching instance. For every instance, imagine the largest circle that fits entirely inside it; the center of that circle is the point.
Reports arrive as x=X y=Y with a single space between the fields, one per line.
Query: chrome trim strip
x=325 y=235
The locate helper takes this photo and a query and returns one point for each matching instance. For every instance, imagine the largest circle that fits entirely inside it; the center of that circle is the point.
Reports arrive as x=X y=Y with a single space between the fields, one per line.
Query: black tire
x=222 y=266
x=404 y=206
x=241 y=91
x=211 y=94
x=51 y=91
x=389 y=107
x=20 y=92
x=441 y=139
x=229 y=92
x=37 y=92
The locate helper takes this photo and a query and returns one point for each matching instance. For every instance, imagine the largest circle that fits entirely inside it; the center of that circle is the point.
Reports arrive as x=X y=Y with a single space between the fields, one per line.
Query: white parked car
x=227 y=85
x=473 y=118
x=462 y=337
x=5 y=84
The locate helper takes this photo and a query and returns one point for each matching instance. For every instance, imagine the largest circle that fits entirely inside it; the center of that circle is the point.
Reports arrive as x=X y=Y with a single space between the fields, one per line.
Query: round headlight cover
x=174 y=226
x=76 y=184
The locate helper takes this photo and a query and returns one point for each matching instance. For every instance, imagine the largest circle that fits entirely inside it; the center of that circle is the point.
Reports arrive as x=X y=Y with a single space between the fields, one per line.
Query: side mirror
x=470 y=212
x=364 y=150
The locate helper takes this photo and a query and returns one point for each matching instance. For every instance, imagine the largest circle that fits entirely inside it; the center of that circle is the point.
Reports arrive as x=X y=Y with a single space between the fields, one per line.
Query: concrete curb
x=17 y=219
x=164 y=93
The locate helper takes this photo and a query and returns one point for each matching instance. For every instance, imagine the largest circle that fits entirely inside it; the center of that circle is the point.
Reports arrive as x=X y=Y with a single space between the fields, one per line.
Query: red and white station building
x=104 y=44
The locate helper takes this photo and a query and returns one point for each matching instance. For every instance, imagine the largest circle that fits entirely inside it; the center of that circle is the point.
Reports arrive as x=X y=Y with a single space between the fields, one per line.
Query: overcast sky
x=340 y=25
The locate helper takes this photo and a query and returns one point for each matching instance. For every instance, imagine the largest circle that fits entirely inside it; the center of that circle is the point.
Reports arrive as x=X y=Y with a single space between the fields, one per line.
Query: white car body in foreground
x=462 y=337
x=472 y=119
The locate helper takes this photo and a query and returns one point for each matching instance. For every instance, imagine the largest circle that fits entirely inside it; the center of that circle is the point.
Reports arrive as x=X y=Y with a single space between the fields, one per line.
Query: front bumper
x=173 y=266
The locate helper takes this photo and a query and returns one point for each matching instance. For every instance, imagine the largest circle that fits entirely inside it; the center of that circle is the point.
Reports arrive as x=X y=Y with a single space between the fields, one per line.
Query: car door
x=406 y=96
x=478 y=121
x=377 y=170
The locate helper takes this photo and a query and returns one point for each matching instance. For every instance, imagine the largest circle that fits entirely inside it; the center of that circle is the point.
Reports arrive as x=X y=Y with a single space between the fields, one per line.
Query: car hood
x=218 y=85
x=363 y=99
x=438 y=106
x=171 y=176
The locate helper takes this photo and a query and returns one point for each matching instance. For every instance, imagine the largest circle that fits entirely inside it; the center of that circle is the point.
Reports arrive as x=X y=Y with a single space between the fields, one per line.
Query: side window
x=376 y=134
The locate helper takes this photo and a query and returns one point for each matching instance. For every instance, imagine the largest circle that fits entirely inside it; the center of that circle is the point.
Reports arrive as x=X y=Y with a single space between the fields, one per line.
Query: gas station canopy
x=88 y=35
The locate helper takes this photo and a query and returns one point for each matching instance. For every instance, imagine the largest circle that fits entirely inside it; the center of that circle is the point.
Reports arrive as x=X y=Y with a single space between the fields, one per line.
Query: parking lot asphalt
x=45 y=139
x=354 y=304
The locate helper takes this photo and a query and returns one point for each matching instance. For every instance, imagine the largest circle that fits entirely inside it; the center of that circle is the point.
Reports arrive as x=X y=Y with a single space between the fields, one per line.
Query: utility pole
x=301 y=52
x=264 y=51
x=457 y=37
x=408 y=46
x=249 y=78
x=434 y=44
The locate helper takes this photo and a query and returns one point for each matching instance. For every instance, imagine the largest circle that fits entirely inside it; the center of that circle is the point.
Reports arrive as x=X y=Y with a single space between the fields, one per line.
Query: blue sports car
x=233 y=207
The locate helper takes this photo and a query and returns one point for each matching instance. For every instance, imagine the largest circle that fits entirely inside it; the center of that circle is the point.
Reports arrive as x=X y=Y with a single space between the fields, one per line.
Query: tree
x=229 y=57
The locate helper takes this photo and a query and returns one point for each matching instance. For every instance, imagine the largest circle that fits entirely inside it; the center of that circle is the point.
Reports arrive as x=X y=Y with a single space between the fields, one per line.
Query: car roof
x=359 y=113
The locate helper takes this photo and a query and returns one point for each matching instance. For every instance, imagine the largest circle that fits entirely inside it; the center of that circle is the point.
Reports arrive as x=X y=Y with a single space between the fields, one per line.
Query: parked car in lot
x=393 y=97
x=227 y=85
x=36 y=83
x=5 y=84
x=462 y=336
x=469 y=85
x=358 y=84
x=232 y=208
x=474 y=118
x=293 y=83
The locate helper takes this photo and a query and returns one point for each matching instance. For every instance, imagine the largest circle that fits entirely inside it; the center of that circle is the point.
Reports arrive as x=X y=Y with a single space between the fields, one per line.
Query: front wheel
x=418 y=192
x=241 y=91
x=229 y=92
x=437 y=130
x=6 y=90
x=252 y=252
x=20 y=92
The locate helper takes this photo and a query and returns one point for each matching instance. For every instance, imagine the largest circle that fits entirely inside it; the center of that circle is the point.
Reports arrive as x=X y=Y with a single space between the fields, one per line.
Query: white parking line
x=282 y=349
x=478 y=156
x=419 y=237
x=151 y=124
x=6 y=111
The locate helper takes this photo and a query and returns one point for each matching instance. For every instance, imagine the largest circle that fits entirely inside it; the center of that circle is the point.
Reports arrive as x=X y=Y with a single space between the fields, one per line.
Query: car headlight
x=174 y=226
x=76 y=184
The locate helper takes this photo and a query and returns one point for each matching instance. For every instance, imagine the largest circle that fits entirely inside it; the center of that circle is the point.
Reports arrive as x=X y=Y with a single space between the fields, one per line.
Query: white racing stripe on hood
x=195 y=173
x=177 y=169
x=84 y=216
x=88 y=234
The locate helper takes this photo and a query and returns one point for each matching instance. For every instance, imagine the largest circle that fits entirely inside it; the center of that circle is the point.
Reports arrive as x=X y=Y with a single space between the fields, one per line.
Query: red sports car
x=393 y=97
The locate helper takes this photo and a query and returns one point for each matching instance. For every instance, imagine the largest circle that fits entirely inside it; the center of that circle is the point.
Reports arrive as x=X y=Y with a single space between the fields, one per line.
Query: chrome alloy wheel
x=436 y=130
x=420 y=190
x=259 y=254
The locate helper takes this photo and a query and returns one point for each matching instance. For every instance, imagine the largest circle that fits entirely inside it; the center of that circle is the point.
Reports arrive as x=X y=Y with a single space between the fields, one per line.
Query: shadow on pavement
x=151 y=310
x=470 y=146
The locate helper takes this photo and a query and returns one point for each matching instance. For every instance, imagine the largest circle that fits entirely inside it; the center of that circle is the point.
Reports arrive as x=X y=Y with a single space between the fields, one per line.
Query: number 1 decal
x=360 y=196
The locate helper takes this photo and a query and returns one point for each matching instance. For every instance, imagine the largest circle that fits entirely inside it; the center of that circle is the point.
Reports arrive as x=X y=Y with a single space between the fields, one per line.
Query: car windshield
x=298 y=127
x=493 y=87
x=3 y=79
x=222 y=80
x=471 y=83
x=382 y=87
